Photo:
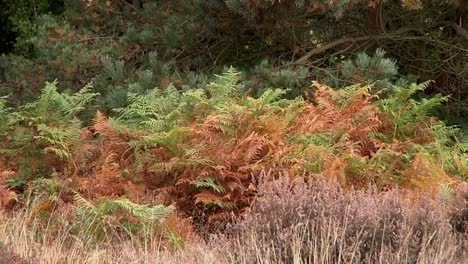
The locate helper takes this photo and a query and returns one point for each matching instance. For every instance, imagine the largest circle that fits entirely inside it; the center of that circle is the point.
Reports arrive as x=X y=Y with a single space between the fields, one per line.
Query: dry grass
x=318 y=223
x=21 y=245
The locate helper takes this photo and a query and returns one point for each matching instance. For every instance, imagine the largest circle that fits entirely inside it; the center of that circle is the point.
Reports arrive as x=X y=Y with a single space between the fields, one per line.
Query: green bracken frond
x=52 y=101
x=98 y=220
x=208 y=182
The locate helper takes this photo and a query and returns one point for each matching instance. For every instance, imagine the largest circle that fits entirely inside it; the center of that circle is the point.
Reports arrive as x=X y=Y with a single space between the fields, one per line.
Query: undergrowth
x=200 y=151
x=290 y=222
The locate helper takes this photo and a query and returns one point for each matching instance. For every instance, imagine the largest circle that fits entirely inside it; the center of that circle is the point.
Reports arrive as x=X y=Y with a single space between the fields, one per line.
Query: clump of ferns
x=411 y=121
x=220 y=118
x=449 y=148
x=405 y=112
x=108 y=219
x=162 y=110
x=46 y=131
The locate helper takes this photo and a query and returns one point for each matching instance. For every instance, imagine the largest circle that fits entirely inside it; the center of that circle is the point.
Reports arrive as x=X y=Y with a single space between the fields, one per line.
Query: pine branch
x=351 y=40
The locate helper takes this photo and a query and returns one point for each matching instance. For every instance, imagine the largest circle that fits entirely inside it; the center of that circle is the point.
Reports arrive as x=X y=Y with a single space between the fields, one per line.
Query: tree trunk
x=374 y=21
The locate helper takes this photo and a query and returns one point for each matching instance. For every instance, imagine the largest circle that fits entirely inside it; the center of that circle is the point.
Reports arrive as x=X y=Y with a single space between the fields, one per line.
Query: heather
x=163 y=131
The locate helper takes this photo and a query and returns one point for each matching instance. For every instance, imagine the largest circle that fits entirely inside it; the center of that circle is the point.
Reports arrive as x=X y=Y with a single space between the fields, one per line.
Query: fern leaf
x=208 y=182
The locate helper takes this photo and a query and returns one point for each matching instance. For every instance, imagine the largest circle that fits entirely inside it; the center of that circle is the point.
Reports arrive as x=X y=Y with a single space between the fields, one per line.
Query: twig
x=330 y=46
x=397 y=34
x=460 y=31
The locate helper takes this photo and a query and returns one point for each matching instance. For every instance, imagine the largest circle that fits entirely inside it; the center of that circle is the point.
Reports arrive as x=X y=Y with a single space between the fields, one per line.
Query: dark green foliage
x=19 y=19
x=134 y=46
x=364 y=69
